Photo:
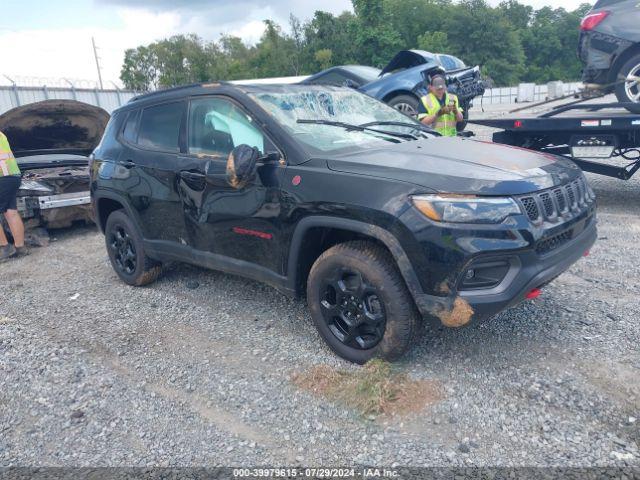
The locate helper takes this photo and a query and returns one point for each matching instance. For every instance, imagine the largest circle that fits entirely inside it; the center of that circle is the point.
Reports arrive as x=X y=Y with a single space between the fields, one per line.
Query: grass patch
x=374 y=389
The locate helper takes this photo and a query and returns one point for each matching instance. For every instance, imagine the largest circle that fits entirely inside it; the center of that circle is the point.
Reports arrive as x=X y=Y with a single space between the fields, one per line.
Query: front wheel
x=360 y=304
x=628 y=90
x=407 y=104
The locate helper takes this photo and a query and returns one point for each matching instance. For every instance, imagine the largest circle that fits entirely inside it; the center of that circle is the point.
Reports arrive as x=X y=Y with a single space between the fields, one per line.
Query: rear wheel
x=126 y=251
x=629 y=90
x=360 y=304
x=407 y=104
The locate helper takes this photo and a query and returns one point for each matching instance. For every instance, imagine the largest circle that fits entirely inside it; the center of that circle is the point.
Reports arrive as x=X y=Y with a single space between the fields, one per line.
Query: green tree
x=434 y=42
x=375 y=38
x=518 y=15
x=481 y=35
x=174 y=61
x=328 y=32
x=234 y=60
x=140 y=69
x=511 y=42
x=323 y=57
x=550 y=44
x=412 y=18
x=274 y=55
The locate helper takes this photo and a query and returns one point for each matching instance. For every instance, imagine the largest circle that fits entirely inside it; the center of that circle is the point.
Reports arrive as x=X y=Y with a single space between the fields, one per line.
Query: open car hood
x=407 y=59
x=54 y=126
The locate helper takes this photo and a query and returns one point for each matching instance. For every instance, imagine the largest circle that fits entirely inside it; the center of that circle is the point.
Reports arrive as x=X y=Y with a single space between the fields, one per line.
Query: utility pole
x=95 y=54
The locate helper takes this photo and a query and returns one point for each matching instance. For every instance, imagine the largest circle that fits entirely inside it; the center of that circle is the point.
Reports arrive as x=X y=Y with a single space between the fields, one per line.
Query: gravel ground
x=195 y=369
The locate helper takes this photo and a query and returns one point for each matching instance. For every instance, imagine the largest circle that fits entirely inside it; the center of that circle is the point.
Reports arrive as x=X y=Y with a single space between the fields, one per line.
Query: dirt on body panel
x=459 y=315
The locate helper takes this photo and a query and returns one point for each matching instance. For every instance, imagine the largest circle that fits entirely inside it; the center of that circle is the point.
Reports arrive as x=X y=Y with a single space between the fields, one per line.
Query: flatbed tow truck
x=601 y=138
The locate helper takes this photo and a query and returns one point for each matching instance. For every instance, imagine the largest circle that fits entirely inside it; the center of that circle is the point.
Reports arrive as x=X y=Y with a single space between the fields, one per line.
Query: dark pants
x=8 y=189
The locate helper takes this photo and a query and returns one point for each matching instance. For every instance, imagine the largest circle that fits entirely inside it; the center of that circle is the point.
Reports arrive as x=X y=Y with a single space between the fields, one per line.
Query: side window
x=447 y=62
x=160 y=127
x=331 y=78
x=130 y=130
x=217 y=125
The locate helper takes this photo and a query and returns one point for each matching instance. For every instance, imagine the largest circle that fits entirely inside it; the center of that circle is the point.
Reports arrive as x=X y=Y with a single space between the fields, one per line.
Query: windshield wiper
x=360 y=128
x=420 y=126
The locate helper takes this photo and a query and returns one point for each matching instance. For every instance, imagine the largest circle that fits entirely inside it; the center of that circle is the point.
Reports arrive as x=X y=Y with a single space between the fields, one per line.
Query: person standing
x=439 y=109
x=10 y=180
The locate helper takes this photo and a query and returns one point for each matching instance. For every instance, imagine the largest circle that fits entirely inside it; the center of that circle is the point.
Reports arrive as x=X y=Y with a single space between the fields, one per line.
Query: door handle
x=193 y=176
x=127 y=163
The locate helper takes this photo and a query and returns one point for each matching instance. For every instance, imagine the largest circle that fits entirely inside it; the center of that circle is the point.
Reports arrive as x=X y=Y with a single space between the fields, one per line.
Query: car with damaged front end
x=52 y=141
x=326 y=192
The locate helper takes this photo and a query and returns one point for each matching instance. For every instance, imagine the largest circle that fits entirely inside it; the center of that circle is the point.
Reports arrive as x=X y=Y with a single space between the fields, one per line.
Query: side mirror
x=241 y=165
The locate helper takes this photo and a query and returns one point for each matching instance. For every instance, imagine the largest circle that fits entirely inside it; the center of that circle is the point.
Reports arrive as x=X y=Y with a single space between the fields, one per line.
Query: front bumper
x=528 y=271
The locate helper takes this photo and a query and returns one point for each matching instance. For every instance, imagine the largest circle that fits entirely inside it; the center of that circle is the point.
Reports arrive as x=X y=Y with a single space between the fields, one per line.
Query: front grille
x=560 y=200
x=549 y=205
x=554 y=242
x=531 y=208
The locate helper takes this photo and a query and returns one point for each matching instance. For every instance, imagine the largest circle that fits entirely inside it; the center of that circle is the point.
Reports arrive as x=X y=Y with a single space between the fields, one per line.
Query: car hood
x=54 y=126
x=408 y=59
x=457 y=165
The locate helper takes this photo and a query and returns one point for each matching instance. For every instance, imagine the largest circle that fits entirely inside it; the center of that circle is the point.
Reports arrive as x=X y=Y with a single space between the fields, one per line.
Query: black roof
x=180 y=90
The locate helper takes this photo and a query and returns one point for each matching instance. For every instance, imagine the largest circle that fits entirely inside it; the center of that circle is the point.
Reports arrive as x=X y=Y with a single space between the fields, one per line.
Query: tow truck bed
x=601 y=139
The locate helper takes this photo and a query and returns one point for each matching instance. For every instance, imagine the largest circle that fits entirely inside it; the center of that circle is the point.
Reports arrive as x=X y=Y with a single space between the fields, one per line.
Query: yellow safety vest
x=444 y=124
x=8 y=164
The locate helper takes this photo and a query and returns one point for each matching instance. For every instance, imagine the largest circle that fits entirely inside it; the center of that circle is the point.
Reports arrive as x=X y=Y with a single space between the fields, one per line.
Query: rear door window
x=160 y=127
x=130 y=130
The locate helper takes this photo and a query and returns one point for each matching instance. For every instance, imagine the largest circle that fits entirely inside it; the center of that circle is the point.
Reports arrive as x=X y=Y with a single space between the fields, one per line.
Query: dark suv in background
x=609 y=47
x=327 y=192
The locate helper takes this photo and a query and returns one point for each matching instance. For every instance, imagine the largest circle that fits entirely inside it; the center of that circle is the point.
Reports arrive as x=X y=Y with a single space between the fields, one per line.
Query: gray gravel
x=195 y=369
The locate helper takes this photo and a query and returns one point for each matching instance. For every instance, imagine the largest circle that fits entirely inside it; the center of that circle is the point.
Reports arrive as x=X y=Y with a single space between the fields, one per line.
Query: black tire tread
x=151 y=269
x=408 y=321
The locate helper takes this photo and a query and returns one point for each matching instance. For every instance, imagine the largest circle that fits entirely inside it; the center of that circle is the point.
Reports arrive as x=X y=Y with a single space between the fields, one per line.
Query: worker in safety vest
x=9 y=184
x=440 y=109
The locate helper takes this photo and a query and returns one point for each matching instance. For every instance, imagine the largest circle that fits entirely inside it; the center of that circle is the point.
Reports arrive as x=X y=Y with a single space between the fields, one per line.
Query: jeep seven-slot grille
x=550 y=204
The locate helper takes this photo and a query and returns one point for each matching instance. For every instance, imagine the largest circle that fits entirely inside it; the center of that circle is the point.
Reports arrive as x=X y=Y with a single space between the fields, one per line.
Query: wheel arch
x=318 y=233
x=396 y=93
x=621 y=59
x=107 y=203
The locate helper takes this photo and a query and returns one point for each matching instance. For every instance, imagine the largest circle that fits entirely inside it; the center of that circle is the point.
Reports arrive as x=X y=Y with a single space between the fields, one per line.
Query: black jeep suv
x=327 y=191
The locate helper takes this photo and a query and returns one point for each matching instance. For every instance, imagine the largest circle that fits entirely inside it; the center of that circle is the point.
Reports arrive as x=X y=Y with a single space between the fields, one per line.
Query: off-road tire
x=379 y=269
x=621 y=94
x=410 y=100
x=146 y=270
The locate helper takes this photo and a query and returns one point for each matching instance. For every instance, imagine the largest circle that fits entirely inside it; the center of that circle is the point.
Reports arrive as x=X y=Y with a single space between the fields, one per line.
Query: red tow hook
x=586 y=253
x=535 y=293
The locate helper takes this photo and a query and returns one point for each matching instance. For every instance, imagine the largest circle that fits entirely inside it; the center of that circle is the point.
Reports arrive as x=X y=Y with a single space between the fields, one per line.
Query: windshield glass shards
x=312 y=115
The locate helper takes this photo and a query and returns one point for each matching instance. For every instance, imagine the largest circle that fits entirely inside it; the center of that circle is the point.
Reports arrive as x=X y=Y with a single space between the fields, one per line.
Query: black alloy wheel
x=126 y=251
x=359 y=302
x=353 y=310
x=123 y=250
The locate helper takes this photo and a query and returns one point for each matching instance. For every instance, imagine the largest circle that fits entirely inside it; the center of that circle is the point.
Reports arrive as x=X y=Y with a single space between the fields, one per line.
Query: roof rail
x=172 y=89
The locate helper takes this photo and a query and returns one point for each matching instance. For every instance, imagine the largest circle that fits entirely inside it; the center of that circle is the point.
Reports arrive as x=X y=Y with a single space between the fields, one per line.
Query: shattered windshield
x=334 y=105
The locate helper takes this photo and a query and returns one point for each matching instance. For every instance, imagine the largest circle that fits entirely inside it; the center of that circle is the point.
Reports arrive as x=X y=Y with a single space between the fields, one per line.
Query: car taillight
x=592 y=20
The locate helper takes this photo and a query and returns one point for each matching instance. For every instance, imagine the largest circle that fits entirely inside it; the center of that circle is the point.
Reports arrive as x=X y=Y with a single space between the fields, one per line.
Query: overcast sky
x=47 y=41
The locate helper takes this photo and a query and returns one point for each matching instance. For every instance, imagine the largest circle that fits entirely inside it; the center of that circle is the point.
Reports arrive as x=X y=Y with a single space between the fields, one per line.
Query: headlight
x=466 y=209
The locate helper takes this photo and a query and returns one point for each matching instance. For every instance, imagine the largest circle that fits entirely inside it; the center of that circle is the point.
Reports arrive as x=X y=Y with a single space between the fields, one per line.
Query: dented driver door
x=236 y=222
